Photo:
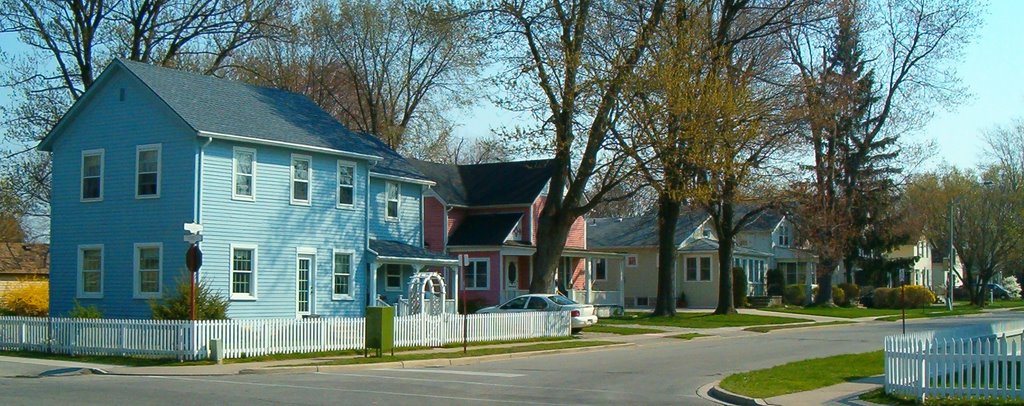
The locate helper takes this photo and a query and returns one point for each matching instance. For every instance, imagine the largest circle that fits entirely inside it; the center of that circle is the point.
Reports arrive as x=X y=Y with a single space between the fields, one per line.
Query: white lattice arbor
x=427 y=293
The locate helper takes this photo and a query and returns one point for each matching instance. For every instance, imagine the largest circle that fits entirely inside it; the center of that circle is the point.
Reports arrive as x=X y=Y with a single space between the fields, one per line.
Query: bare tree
x=568 y=62
x=856 y=107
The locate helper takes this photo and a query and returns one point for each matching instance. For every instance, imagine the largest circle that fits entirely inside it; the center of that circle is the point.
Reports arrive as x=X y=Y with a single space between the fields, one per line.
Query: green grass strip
x=477 y=352
x=765 y=329
x=805 y=375
x=931 y=312
x=880 y=397
x=626 y=331
x=839 y=312
x=700 y=320
x=133 y=361
x=689 y=336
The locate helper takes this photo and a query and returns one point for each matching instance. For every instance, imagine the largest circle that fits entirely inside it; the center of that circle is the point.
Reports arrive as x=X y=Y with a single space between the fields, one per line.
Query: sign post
x=193 y=260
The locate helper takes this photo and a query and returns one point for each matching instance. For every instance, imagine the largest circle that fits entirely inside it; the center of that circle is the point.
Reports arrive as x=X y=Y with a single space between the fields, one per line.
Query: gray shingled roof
x=484 y=229
x=638 y=231
x=223 y=106
x=491 y=184
x=395 y=249
x=709 y=245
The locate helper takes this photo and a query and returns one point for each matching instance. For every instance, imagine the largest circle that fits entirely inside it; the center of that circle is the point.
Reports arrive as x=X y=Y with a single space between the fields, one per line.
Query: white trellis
x=427 y=292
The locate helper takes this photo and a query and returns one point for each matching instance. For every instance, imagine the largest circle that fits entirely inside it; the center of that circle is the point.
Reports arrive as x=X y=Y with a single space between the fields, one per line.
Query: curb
x=424 y=363
x=722 y=395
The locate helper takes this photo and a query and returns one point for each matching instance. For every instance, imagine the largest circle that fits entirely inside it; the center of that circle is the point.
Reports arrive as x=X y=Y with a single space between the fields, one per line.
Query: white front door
x=304 y=269
x=511 y=279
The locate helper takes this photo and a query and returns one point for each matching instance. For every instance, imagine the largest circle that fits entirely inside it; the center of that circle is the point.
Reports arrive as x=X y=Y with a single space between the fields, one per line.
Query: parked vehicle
x=582 y=315
x=998 y=291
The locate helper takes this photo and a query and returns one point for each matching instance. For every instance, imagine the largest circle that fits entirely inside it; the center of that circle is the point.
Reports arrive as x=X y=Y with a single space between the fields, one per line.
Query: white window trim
x=636 y=261
x=398 y=206
x=605 y=278
x=81 y=175
x=231 y=270
x=337 y=186
x=234 y=175
x=334 y=272
x=82 y=294
x=159 y=169
x=488 y=273
x=686 y=269
x=138 y=294
x=389 y=288
x=292 y=180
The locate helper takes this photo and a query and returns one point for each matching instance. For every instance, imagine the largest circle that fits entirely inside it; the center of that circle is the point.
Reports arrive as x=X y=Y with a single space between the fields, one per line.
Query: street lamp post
x=952 y=261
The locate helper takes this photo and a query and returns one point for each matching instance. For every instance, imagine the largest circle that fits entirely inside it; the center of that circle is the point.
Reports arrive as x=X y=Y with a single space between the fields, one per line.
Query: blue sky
x=991 y=71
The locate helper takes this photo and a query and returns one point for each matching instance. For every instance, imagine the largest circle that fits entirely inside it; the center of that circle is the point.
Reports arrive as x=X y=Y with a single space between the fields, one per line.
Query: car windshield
x=561 y=300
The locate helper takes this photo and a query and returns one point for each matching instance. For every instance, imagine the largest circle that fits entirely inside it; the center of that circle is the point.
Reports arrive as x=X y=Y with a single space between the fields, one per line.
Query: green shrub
x=883 y=299
x=30 y=298
x=850 y=293
x=838 y=296
x=912 y=296
x=776 y=282
x=794 y=295
x=739 y=287
x=210 y=305
x=85 y=312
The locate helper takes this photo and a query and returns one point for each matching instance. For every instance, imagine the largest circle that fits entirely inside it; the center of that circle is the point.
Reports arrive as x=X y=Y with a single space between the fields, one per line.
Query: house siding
x=279 y=228
x=434 y=227
x=409 y=226
x=119 y=220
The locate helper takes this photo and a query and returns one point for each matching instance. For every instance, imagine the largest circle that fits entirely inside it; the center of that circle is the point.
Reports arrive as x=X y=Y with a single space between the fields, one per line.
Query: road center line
x=375 y=392
x=402 y=378
x=450 y=371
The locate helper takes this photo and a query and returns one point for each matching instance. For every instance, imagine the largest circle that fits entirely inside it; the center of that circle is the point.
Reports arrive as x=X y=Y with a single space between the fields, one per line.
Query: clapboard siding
x=119 y=220
x=278 y=228
x=409 y=227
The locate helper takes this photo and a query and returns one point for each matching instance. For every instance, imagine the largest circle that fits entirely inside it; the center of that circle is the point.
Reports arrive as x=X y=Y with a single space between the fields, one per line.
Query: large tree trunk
x=552 y=232
x=824 y=277
x=668 y=214
x=725 y=246
x=848 y=267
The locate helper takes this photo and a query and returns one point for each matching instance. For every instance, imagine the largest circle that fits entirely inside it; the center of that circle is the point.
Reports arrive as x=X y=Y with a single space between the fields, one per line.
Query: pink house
x=489 y=212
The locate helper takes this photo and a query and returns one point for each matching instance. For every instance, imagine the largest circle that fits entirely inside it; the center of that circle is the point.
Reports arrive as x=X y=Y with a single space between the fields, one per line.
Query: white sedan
x=582 y=315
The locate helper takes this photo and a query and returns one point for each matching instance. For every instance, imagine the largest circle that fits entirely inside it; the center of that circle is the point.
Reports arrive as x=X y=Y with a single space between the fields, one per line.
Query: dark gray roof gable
x=639 y=231
x=484 y=229
x=234 y=110
x=490 y=184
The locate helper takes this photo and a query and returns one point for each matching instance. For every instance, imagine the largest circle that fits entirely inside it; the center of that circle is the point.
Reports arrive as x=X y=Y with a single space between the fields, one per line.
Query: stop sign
x=194 y=258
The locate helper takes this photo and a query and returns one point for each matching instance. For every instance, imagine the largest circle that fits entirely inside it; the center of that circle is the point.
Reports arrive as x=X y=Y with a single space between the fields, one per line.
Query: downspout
x=197 y=211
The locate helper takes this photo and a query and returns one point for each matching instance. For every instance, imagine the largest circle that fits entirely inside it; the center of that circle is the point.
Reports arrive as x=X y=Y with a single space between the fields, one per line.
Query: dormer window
x=784 y=236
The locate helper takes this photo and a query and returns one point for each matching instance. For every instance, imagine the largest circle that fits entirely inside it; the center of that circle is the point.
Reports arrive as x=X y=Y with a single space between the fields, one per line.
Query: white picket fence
x=188 y=340
x=934 y=364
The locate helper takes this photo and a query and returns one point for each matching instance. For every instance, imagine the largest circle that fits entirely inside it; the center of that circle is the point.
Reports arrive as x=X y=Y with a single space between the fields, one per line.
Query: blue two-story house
x=299 y=215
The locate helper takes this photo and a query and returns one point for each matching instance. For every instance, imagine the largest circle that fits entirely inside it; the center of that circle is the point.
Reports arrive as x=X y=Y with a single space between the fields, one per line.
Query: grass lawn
x=805 y=375
x=471 y=353
x=765 y=329
x=151 y=361
x=879 y=396
x=841 y=312
x=700 y=320
x=997 y=304
x=931 y=312
x=626 y=331
x=689 y=336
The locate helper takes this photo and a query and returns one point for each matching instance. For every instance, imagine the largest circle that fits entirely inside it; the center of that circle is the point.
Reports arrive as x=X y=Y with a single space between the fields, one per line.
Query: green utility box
x=380 y=330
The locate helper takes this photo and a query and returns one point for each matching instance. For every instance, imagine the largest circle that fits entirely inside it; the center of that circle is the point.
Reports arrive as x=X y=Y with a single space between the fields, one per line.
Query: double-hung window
x=243 y=271
x=698 y=269
x=243 y=178
x=92 y=175
x=147 y=171
x=393 y=194
x=342 y=276
x=302 y=172
x=477 y=274
x=148 y=259
x=784 y=236
x=90 y=271
x=346 y=184
x=601 y=269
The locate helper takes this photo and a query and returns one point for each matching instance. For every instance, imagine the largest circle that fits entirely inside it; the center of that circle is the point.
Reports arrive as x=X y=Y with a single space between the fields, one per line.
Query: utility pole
x=952 y=261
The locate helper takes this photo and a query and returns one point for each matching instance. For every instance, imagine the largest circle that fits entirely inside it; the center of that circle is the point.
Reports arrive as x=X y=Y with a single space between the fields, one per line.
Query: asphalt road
x=656 y=371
